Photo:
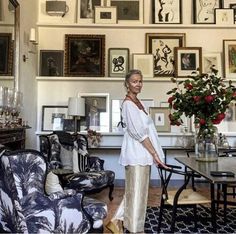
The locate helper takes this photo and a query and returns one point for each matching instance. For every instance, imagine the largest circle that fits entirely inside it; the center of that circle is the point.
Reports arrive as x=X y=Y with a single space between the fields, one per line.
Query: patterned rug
x=185 y=224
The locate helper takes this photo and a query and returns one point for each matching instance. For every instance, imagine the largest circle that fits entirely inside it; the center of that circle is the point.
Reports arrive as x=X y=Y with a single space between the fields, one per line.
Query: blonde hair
x=129 y=74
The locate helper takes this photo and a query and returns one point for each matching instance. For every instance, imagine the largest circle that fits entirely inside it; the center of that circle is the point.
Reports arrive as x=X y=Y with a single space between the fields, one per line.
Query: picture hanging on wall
x=84 y=55
x=212 y=59
x=105 y=15
x=167 y=12
x=224 y=16
x=230 y=4
x=161 y=45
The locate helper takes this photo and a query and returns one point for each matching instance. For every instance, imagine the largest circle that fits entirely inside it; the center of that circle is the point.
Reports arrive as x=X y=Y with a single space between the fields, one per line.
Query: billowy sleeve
x=134 y=124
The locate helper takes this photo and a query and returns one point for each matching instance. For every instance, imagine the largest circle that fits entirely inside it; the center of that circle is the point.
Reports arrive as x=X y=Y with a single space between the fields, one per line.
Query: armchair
x=68 y=157
x=25 y=208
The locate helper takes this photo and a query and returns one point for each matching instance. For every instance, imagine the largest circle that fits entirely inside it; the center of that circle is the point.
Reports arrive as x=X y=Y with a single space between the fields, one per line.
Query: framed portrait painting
x=167 y=12
x=229 y=51
x=118 y=62
x=51 y=62
x=212 y=60
x=187 y=60
x=204 y=11
x=162 y=45
x=6 y=54
x=84 y=55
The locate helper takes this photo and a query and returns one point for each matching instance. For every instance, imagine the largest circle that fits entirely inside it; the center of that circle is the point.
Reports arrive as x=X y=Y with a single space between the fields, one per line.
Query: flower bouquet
x=94 y=138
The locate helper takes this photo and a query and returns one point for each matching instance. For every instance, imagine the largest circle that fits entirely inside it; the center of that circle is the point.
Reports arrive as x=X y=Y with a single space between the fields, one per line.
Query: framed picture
x=230 y=4
x=162 y=45
x=187 y=60
x=105 y=15
x=144 y=63
x=129 y=11
x=53 y=117
x=212 y=59
x=86 y=11
x=115 y=111
x=96 y=112
x=167 y=12
x=160 y=116
x=6 y=54
x=204 y=12
x=224 y=16
x=229 y=50
x=118 y=62
x=51 y=62
x=84 y=55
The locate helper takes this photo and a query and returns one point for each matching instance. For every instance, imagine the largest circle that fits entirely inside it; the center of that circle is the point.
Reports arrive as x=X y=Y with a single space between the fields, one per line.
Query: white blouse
x=138 y=127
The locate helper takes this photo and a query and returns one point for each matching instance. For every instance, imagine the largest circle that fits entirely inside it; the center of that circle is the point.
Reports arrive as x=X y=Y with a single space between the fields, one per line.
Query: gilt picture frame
x=84 y=55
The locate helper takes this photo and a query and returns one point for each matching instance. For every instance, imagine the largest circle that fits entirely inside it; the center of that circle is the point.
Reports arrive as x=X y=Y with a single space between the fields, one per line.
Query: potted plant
x=94 y=138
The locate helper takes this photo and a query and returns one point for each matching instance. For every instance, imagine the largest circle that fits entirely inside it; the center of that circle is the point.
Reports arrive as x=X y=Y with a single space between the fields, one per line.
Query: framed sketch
x=212 y=59
x=187 y=60
x=86 y=11
x=144 y=63
x=6 y=54
x=115 y=111
x=230 y=4
x=229 y=55
x=96 y=112
x=160 y=116
x=84 y=55
x=162 y=45
x=204 y=12
x=105 y=15
x=167 y=12
x=51 y=62
x=224 y=16
x=118 y=62
x=53 y=117
x=129 y=11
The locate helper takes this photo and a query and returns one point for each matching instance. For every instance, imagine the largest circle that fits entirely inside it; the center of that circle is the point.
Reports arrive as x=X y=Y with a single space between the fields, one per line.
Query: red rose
x=171 y=99
x=196 y=98
x=209 y=98
x=202 y=121
x=234 y=94
x=175 y=107
x=189 y=86
x=216 y=121
x=220 y=116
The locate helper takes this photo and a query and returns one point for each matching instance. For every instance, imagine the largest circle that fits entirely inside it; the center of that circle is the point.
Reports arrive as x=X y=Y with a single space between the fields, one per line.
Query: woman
x=140 y=149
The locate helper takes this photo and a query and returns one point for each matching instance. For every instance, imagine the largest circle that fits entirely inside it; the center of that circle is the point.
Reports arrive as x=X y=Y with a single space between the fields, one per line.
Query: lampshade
x=76 y=106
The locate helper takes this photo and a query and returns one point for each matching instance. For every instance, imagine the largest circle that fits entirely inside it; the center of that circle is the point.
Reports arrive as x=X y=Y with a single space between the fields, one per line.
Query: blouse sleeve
x=134 y=124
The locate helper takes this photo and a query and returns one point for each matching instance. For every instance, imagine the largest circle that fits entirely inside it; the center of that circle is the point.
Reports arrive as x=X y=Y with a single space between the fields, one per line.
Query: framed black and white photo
x=96 y=112
x=144 y=63
x=51 y=62
x=204 y=11
x=224 y=16
x=187 y=60
x=129 y=11
x=6 y=54
x=53 y=117
x=160 y=116
x=84 y=55
x=212 y=60
x=167 y=12
x=162 y=45
x=105 y=15
x=118 y=62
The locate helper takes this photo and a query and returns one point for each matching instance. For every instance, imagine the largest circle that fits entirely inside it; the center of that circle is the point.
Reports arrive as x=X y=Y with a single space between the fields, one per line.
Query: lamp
x=76 y=108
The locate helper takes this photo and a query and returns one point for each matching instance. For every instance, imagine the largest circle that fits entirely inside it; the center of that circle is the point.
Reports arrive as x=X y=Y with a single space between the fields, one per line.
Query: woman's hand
x=158 y=162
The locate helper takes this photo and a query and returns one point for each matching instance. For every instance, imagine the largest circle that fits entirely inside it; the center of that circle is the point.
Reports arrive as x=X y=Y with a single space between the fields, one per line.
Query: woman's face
x=135 y=84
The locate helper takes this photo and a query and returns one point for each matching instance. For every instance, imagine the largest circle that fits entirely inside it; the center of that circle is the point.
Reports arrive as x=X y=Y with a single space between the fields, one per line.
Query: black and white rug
x=185 y=224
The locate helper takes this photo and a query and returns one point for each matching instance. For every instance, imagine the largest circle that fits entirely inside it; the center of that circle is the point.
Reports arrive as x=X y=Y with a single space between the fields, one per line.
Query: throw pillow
x=66 y=156
x=52 y=184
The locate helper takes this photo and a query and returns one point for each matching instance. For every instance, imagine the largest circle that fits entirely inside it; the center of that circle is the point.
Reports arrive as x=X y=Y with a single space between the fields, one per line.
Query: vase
x=206 y=144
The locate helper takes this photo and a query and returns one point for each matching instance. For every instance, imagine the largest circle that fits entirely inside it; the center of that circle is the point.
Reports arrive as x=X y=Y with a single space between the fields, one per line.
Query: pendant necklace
x=137 y=103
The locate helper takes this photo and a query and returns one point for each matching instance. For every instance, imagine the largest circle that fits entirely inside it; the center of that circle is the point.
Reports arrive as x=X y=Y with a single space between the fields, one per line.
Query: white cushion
x=52 y=184
x=75 y=161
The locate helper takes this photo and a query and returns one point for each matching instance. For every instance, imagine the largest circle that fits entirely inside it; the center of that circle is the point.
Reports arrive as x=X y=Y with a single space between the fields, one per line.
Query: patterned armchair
x=25 y=208
x=68 y=158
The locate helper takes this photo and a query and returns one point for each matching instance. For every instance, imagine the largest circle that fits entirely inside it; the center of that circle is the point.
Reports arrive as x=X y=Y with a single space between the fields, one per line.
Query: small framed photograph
x=167 y=12
x=212 y=59
x=204 y=13
x=84 y=55
x=51 y=62
x=86 y=11
x=129 y=11
x=188 y=60
x=96 y=112
x=162 y=45
x=230 y=4
x=105 y=15
x=224 y=16
x=53 y=117
x=160 y=116
x=229 y=53
x=144 y=63
x=6 y=54
x=118 y=62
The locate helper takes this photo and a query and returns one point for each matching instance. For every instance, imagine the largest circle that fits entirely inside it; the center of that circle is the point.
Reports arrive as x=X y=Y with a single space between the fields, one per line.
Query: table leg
x=213 y=210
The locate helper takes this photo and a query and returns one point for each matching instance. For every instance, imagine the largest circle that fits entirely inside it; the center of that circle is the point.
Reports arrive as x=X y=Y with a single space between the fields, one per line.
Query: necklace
x=137 y=103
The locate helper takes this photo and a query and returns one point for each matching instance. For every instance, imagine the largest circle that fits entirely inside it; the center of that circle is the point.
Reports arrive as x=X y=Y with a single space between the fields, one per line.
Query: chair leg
x=195 y=217
x=224 y=189
x=218 y=196
x=160 y=216
x=110 y=191
x=172 y=227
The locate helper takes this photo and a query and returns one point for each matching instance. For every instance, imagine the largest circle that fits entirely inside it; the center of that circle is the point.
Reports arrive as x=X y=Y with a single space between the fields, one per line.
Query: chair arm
x=62 y=194
x=95 y=163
